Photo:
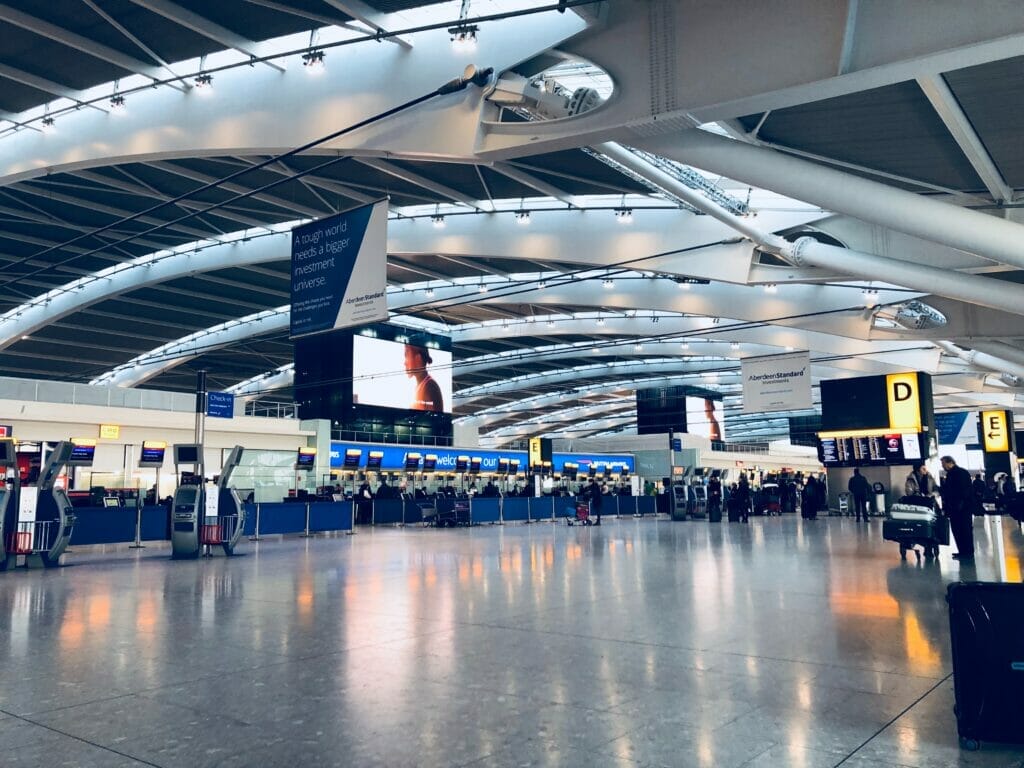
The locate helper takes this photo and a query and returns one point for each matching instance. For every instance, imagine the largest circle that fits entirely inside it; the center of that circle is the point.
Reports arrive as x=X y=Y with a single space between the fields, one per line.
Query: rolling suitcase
x=986 y=623
x=734 y=510
x=714 y=511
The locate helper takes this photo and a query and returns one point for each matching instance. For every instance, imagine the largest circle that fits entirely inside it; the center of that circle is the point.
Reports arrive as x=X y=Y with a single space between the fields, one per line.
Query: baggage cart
x=913 y=522
x=581 y=514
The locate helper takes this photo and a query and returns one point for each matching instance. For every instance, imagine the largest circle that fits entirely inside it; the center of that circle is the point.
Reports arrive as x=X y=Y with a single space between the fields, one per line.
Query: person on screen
x=714 y=428
x=428 y=394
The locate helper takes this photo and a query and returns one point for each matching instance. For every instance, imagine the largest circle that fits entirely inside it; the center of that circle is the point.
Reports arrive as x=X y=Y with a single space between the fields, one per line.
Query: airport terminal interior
x=511 y=383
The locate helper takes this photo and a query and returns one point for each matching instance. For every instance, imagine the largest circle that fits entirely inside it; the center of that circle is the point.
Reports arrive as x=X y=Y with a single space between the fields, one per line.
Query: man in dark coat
x=957 y=497
x=860 y=488
x=594 y=492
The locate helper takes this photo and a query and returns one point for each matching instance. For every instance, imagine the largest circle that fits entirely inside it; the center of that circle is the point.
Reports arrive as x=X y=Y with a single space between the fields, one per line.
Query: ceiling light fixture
x=430 y=293
x=463 y=37
x=313 y=61
x=522 y=217
x=771 y=288
x=482 y=288
x=117 y=102
x=608 y=283
x=734 y=346
x=204 y=80
x=438 y=221
x=542 y=284
x=47 y=124
x=624 y=215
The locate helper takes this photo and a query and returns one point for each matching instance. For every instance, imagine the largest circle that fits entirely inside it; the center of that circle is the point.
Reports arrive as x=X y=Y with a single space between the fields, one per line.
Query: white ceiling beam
x=364 y=14
x=945 y=103
x=41 y=83
x=79 y=43
x=201 y=25
x=420 y=181
x=533 y=182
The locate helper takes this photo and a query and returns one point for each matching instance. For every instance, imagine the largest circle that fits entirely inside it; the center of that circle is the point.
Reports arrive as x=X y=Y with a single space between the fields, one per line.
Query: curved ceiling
x=584 y=303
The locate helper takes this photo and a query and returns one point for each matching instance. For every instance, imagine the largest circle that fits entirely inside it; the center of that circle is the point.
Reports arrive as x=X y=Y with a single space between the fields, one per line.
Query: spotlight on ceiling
x=542 y=284
x=624 y=215
x=463 y=37
x=482 y=288
x=204 y=80
x=438 y=221
x=771 y=288
x=430 y=293
x=608 y=283
x=47 y=124
x=117 y=102
x=522 y=217
x=313 y=61
x=734 y=346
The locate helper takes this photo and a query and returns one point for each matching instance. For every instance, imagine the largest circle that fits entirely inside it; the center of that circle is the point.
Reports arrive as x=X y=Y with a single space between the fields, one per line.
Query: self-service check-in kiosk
x=43 y=540
x=205 y=517
x=8 y=498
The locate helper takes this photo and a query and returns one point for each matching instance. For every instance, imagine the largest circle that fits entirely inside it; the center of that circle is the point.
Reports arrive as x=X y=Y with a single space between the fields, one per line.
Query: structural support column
x=987 y=236
x=983 y=359
x=974 y=289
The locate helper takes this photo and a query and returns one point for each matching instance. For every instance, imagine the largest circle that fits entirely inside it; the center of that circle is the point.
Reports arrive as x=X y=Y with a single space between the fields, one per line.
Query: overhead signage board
x=776 y=382
x=995 y=432
x=903 y=395
x=392 y=457
x=339 y=271
x=110 y=431
x=220 y=405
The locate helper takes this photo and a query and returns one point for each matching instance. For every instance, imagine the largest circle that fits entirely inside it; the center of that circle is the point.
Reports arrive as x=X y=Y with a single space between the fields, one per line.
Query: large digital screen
x=864 y=450
x=706 y=417
x=398 y=375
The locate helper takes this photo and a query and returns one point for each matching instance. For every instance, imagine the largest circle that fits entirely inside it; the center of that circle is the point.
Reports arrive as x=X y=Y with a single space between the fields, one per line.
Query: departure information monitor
x=860 y=450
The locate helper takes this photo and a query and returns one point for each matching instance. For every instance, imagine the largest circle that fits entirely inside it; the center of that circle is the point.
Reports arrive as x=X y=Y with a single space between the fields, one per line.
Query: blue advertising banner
x=339 y=271
x=220 y=405
x=394 y=457
x=957 y=427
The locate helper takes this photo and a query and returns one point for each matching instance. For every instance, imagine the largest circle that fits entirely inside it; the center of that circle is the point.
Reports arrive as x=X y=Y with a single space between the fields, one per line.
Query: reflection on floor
x=779 y=643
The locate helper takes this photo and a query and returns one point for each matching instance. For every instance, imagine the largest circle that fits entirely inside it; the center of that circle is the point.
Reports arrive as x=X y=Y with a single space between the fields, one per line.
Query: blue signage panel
x=339 y=271
x=394 y=457
x=220 y=405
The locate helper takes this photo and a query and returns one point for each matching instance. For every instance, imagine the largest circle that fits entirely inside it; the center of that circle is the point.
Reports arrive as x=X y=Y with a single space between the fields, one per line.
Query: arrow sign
x=997 y=435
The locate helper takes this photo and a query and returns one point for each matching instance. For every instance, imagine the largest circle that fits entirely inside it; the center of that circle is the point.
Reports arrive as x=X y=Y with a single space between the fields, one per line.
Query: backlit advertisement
x=393 y=374
x=705 y=417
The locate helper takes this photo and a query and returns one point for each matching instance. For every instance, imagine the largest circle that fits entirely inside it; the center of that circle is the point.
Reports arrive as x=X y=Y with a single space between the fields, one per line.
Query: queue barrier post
x=256 y=532
x=305 y=530
x=138 y=529
x=352 y=530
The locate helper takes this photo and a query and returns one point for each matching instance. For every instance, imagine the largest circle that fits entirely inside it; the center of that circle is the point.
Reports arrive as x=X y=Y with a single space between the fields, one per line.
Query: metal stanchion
x=352 y=531
x=305 y=533
x=138 y=530
x=256 y=533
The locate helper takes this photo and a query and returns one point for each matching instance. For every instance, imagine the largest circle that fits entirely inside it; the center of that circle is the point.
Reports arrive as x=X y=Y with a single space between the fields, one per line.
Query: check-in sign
x=995 y=431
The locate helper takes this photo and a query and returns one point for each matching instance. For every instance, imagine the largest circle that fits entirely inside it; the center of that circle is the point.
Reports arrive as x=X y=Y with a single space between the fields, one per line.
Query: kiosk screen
x=376 y=457
x=430 y=462
x=353 y=456
x=412 y=461
x=152 y=454
x=306 y=459
x=186 y=454
x=461 y=463
x=82 y=454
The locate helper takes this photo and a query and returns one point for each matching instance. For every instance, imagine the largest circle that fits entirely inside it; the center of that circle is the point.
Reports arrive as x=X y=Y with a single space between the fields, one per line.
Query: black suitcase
x=934 y=531
x=734 y=510
x=986 y=624
x=714 y=512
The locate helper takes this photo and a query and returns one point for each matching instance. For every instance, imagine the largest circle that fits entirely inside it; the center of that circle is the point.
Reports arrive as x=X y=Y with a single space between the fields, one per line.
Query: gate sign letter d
x=903 y=395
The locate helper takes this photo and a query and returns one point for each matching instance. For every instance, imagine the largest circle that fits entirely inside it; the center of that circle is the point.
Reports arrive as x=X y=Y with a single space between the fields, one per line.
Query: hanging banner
x=776 y=382
x=957 y=427
x=339 y=271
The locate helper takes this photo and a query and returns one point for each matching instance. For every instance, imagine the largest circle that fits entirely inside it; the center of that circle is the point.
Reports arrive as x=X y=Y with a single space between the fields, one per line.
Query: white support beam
x=959 y=125
x=420 y=181
x=40 y=83
x=79 y=43
x=201 y=25
x=533 y=182
x=364 y=14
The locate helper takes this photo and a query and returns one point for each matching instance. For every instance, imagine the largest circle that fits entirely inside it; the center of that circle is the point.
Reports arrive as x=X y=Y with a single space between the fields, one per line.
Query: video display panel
x=861 y=450
x=401 y=375
x=706 y=417
x=152 y=454
x=306 y=459
x=82 y=454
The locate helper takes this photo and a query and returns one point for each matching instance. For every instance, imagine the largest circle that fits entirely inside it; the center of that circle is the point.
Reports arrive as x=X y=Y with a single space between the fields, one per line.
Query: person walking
x=809 y=500
x=860 y=488
x=957 y=497
x=743 y=497
x=594 y=492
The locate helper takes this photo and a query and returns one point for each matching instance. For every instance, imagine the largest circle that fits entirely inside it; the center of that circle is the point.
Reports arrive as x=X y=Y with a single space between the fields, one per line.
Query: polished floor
x=640 y=643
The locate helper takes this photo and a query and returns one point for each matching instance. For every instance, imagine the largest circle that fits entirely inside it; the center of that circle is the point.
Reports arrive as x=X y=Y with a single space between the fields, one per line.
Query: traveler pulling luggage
x=986 y=625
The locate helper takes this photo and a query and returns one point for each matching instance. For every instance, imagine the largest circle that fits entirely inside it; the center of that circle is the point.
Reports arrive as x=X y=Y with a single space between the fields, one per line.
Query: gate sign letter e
x=995 y=432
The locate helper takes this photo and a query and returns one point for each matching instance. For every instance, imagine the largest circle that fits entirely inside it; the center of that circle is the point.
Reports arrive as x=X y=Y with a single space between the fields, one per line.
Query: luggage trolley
x=582 y=514
x=914 y=521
